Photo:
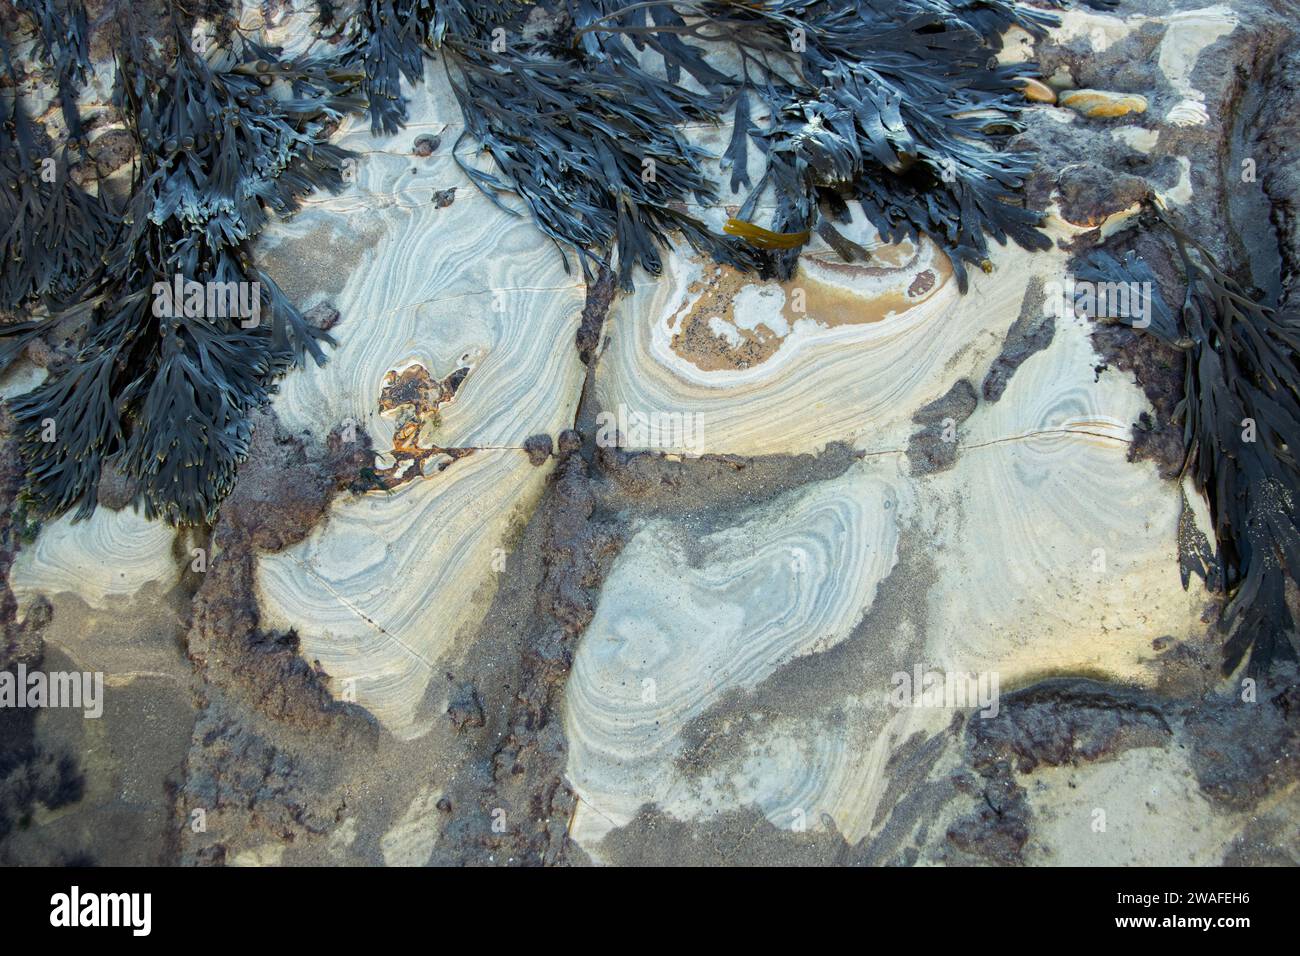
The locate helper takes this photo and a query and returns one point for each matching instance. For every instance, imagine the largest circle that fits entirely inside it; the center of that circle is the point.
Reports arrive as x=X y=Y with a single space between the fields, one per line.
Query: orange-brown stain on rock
x=711 y=299
x=416 y=398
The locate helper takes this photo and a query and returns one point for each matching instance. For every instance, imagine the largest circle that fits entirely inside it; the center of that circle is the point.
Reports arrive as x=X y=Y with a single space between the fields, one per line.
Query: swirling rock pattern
x=384 y=588
x=1042 y=549
x=742 y=659
x=104 y=559
x=1046 y=551
x=463 y=286
x=1058 y=552
x=683 y=622
x=842 y=352
x=470 y=296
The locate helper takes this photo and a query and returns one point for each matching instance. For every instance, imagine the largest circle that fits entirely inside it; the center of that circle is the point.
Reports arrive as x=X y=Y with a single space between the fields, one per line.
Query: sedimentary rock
x=461 y=296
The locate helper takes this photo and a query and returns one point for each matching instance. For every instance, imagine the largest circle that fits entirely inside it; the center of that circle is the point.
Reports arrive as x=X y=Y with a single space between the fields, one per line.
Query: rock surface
x=537 y=572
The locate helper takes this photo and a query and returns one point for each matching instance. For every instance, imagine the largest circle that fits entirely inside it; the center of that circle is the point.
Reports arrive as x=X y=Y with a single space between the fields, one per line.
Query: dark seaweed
x=55 y=232
x=388 y=41
x=61 y=32
x=898 y=105
x=1241 y=422
x=222 y=145
x=894 y=104
x=1101 y=266
x=63 y=38
x=883 y=116
x=872 y=106
x=600 y=163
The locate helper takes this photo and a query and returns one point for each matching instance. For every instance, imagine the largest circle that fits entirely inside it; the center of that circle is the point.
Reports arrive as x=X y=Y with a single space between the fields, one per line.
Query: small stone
x=570 y=441
x=538 y=448
x=1090 y=193
x=443 y=198
x=1036 y=91
x=116 y=488
x=1103 y=104
x=111 y=151
x=465 y=709
x=323 y=316
x=426 y=145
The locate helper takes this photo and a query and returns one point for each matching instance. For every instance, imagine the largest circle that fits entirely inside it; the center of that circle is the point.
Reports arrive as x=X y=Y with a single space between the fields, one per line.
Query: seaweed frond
x=387 y=41
x=62 y=34
x=54 y=231
x=897 y=105
x=224 y=142
x=596 y=154
x=63 y=40
x=1241 y=425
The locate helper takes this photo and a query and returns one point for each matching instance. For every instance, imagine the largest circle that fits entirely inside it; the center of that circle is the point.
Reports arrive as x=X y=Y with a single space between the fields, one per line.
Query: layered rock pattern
x=788 y=502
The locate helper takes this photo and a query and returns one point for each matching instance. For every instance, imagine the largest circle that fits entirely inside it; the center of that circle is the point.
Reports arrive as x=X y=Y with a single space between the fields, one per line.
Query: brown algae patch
x=730 y=321
x=416 y=398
